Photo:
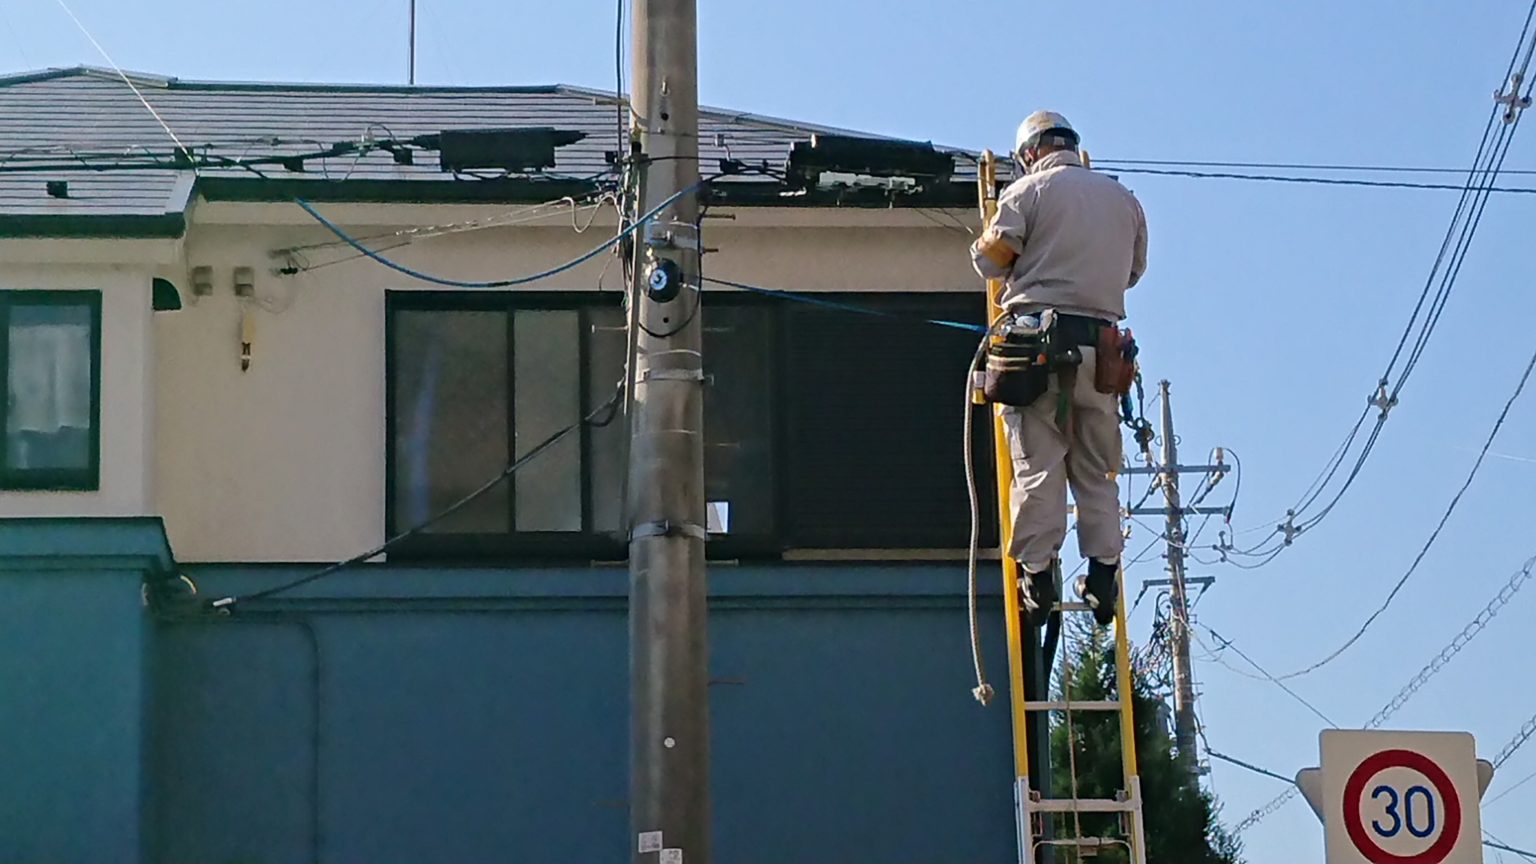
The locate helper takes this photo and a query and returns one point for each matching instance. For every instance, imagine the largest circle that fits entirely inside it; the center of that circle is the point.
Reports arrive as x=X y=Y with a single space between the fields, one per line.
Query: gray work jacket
x=1065 y=237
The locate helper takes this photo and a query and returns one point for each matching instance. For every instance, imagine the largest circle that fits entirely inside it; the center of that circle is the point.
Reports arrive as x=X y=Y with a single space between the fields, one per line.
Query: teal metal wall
x=74 y=688
x=409 y=714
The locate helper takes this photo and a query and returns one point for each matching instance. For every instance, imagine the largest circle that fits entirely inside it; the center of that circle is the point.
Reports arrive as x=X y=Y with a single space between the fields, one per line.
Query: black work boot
x=1039 y=594
x=1099 y=590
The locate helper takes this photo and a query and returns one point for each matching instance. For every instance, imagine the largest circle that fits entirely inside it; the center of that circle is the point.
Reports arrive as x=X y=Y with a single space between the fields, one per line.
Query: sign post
x=1398 y=797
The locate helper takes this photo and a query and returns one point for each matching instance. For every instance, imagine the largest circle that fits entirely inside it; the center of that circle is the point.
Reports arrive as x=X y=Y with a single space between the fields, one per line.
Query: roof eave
x=132 y=226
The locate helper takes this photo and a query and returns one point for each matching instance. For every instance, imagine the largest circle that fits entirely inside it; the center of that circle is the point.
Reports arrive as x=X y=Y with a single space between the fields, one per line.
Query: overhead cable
x=1296 y=166
x=1491 y=841
x=813 y=300
x=498 y=283
x=1487 y=163
x=119 y=70
x=1322 y=181
x=598 y=417
x=1433 y=535
x=1430 y=670
x=1513 y=747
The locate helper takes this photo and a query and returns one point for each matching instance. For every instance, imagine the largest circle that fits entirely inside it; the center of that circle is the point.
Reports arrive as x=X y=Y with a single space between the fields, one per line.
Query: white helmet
x=1036 y=126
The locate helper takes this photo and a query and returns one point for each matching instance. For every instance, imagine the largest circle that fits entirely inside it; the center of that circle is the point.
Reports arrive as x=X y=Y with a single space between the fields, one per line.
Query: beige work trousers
x=1045 y=460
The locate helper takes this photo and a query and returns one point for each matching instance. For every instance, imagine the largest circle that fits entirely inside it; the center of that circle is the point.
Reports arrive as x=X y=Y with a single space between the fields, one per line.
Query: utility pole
x=410 y=61
x=669 y=805
x=1183 y=680
x=1185 y=725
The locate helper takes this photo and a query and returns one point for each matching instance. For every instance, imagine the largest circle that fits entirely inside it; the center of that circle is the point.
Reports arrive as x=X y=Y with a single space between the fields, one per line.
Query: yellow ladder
x=1034 y=810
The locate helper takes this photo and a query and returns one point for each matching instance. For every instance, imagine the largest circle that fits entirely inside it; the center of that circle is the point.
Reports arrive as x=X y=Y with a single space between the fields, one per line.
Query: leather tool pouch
x=1115 y=361
x=1016 y=372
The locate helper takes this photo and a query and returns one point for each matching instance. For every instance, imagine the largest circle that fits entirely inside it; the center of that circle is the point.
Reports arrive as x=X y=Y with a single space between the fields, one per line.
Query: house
x=207 y=387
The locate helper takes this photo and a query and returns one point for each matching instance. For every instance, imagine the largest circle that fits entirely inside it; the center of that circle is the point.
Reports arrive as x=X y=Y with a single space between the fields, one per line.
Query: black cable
x=1263 y=772
x=1325 y=181
x=1457 y=241
x=599 y=417
x=1293 y=166
x=1436 y=309
x=1433 y=536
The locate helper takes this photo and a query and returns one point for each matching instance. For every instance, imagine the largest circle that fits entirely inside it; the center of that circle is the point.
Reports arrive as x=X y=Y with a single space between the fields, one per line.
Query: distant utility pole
x=1183 y=675
x=410 y=61
x=669 y=721
x=1184 y=723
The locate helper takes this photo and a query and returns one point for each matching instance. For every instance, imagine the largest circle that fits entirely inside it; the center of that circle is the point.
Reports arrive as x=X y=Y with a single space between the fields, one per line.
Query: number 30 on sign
x=1400 y=798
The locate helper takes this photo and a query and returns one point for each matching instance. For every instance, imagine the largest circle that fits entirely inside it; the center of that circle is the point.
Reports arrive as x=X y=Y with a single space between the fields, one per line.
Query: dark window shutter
x=872 y=449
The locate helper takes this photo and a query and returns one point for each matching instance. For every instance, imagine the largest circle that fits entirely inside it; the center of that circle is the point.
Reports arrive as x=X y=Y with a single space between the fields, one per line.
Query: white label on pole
x=650 y=841
x=671 y=856
x=1393 y=797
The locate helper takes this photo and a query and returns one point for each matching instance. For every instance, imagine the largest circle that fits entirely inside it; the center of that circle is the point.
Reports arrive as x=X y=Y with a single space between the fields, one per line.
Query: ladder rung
x=1072 y=607
x=1085 y=705
x=1084 y=842
x=1082 y=805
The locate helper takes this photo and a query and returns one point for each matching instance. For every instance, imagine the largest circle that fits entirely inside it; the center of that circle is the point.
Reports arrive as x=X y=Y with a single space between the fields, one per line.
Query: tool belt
x=1023 y=351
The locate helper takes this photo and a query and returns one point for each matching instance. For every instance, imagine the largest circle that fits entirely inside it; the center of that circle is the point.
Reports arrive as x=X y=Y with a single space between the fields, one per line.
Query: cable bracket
x=1382 y=401
x=1512 y=99
x=664 y=528
x=673 y=235
x=670 y=375
x=1289 y=527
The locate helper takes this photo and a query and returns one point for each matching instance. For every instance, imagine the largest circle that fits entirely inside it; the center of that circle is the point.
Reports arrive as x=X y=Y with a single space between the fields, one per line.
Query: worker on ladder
x=1067 y=244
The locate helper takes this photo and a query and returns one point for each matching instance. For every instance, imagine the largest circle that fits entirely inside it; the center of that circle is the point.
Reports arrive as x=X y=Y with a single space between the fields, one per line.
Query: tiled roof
x=58 y=115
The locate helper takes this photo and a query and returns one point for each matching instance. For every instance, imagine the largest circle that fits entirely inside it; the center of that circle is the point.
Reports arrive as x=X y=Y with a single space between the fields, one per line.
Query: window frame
x=87 y=479
x=553 y=545
x=525 y=546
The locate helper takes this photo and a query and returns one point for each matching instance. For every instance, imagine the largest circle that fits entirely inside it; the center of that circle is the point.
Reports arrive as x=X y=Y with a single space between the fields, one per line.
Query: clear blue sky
x=1271 y=308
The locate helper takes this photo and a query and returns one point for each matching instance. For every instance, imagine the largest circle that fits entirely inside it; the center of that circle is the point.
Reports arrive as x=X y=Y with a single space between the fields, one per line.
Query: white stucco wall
x=285 y=462
x=127 y=476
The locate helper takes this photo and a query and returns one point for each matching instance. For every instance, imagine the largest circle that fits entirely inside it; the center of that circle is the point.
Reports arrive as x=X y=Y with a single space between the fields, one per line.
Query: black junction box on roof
x=873 y=157
x=518 y=149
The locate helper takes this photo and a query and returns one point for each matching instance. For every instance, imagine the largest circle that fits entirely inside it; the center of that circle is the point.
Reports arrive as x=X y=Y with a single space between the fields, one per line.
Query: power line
x=1227 y=643
x=1490 y=841
x=497 y=283
x=1521 y=782
x=1493 y=842
x=1323 y=181
x=1433 y=536
x=1298 y=166
x=1263 y=772
x=119 y=70
x=1514 y=745
x=1430 y=670
x=813 y=300
x=600 y=416
x=1430 y=304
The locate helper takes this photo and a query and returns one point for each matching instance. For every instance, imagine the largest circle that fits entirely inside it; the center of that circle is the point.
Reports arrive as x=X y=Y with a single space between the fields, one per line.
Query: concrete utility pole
x=669 y=709
x=1185 y=725
x=1183 y=681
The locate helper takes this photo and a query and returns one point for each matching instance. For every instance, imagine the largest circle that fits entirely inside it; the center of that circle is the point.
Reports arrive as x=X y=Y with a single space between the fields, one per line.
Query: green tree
x=1182 y=825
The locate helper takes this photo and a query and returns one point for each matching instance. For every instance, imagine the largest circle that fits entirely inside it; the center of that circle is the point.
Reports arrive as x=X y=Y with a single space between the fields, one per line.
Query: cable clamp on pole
x=671 y=375
x=664 y=528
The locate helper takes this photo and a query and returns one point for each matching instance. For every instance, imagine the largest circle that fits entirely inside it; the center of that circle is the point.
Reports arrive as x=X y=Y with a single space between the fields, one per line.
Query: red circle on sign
x=1354 y=797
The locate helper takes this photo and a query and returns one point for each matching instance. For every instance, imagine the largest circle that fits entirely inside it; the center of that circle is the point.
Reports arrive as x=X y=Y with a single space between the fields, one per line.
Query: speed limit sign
x=1400 y=798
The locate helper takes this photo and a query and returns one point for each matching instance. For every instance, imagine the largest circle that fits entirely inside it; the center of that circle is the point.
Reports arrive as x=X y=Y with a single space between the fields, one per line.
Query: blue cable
x=843 y=307
x=598 y=250
x=499 y=283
